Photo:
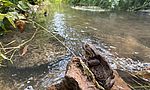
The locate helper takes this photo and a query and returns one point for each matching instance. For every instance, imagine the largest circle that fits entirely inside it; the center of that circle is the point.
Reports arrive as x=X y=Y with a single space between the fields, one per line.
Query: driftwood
x=92 y=72
x=75 y=79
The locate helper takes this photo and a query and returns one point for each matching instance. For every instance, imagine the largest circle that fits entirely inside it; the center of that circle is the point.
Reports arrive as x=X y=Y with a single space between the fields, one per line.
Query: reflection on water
x=117 y=35
x=128 y=32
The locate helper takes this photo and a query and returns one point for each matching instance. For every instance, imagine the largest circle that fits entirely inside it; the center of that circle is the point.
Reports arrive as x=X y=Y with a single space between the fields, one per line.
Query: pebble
x=14 y=75
x=29 y=88
x=28 y=82
x=112 y=47
x=31 y=78
x=136 y=52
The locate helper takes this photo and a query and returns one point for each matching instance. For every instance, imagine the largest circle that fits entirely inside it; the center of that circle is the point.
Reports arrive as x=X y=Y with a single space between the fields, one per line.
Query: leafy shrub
x=114 y=4
x=10 y=11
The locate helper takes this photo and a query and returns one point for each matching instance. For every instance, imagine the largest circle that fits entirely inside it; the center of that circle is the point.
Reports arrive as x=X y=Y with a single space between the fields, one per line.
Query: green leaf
x=7 y=3
x=10 y=19
x=3 y=27
x=13 y=15
x=2 y=16
x=23 y=6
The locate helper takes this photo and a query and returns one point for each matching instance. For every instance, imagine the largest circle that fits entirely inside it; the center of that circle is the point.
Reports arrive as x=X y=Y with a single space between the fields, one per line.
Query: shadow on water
x=13 y=75
x=39 y=77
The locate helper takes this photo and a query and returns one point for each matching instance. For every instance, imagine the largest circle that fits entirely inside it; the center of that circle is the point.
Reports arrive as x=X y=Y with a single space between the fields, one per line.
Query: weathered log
x=120 y=84
x=92 y=72
x=75 y=79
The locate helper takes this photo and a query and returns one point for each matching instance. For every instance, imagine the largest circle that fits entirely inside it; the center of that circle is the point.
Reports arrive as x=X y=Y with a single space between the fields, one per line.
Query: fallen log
x=120 y=84
x=76 y=80
x=92 y=72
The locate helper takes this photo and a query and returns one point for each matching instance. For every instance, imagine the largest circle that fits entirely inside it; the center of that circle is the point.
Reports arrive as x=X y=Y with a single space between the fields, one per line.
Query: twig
x=17 y=47
x=2 y=65
x=131 y=86
x=14 y=48
x=142 y=86
x=135 y=80
x=144 y=5
x=13 y=54
x=28 y=40
x=54 y=37
x=10 y=43
x=4 y=57
x=2 y=47
x=9 y=51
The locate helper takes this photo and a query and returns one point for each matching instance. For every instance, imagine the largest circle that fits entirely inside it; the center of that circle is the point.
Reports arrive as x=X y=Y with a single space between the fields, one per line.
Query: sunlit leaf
x=2 y=16
x=10 y=19
x=23 y=6
x=6 y=3
x=21 y=16
x=15 y=15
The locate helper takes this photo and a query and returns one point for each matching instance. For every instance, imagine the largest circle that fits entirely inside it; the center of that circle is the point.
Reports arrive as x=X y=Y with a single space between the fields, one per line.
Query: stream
x=122 y=37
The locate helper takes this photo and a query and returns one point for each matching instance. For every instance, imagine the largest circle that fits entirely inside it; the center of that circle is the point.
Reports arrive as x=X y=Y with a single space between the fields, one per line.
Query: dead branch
x=20 y=45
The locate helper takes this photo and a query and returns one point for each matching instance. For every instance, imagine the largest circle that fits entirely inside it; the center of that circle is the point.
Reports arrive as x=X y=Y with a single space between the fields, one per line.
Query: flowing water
x=123 y=37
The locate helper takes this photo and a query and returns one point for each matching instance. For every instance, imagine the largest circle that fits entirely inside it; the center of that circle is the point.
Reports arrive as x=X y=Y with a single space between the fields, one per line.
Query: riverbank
x=30 y=61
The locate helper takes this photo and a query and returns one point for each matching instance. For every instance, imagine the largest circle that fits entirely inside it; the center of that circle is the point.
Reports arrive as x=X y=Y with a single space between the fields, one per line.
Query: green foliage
x=10 y=11
x=114 y=4
x=34 y=2
x=6 y=6
x=6 y=21
x=23 y=6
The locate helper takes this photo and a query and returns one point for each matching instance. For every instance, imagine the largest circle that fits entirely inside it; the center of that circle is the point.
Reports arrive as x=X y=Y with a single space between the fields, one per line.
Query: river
x=121 y=36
